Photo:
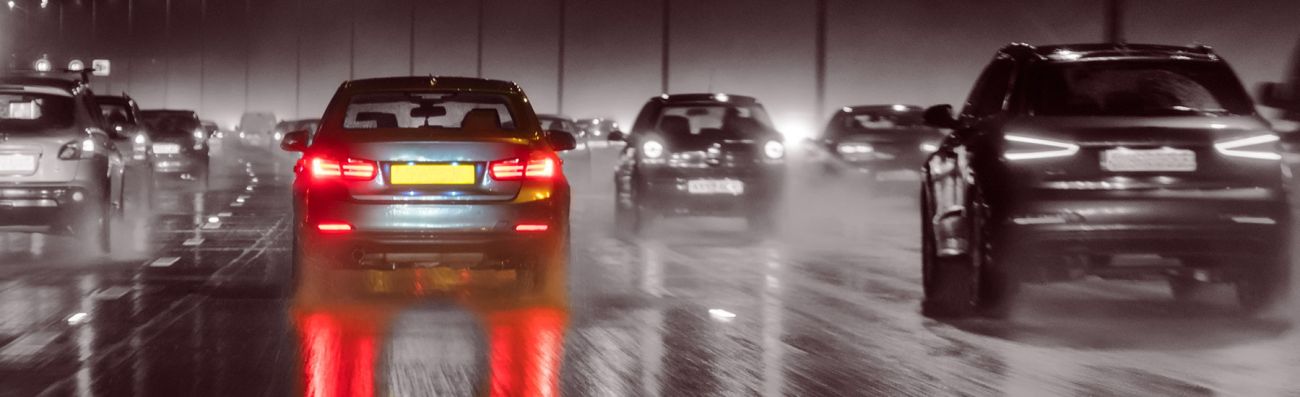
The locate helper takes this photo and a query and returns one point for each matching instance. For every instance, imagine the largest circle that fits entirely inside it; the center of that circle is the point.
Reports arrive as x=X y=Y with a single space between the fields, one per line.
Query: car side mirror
x=615 y=136
x=294 y=141
x=1278 y=95
x=940 y=116
x=561 y=140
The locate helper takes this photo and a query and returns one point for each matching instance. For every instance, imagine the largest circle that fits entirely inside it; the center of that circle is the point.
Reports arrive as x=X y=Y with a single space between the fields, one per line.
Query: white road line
x=112 y=293
x=194 y=242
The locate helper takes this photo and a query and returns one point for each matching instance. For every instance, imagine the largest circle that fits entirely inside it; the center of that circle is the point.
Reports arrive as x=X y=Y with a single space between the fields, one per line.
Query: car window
x=426 y=109
x=559 y=124
x=989 y=95
x=882 y=121
x=1137 y=88
x=26 y=112
x=116 y=113
x=172 y=124
x=713 y=119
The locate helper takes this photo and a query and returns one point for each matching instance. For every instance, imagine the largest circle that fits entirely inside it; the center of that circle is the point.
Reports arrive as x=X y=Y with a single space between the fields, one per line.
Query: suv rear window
x=713 y=121
x=171 y=124
x=1137 y=88
x=28 y=112
x=429 y=109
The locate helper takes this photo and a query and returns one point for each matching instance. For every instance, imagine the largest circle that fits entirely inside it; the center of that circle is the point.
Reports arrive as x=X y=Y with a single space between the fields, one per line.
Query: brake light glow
x=1233 y=147
x=350 y=169
x=531 y=227
x=540 y=166
x=1036 y=148
x=333 y=227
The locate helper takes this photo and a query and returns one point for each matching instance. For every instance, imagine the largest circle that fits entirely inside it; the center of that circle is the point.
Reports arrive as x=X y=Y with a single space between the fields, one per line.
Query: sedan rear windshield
x=558 y=124
x=713 y=122
x=26 y=112
x=865 y=122
x=1137 y=88
x=430 y=109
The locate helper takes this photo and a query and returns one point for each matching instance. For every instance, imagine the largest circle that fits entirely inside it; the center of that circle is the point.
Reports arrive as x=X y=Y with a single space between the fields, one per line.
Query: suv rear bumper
x=45 y=204
x=669 y=194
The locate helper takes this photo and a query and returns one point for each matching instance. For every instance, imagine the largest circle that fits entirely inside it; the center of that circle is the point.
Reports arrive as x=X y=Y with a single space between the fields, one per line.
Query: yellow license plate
x=432 y=174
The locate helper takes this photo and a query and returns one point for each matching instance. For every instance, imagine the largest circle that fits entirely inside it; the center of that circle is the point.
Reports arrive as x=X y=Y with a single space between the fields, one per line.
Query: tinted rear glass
x=429 y=109
x=713 y=122
x=116 y=112
x=171 y=123
x=558 y=124
x=26 y=112
x=883 y=121
x=1137 y=88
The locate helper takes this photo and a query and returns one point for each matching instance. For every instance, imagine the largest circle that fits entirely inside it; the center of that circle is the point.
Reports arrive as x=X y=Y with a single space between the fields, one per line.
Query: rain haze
x=658 y=198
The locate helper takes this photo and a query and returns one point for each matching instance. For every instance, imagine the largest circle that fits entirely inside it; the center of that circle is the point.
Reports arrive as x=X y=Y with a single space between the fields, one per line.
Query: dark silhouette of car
x=1122 y=161
x=703 y=155
x=877 y=140
x=180 y=144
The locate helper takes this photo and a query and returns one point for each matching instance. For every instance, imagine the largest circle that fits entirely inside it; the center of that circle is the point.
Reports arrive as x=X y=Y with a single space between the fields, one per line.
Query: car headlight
x=1262 y=147
x=928 y=147
x=278 y=136
x=652 y=149
x=774 y=149
x=854 y=148
x=1027 y=148
x=198 y=134
x=140 y=139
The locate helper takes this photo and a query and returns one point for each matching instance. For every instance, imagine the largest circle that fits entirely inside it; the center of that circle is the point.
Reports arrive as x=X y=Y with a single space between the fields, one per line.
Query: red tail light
x=540 y=166
x=531 y=227
x=333 y=227
x=350 y=169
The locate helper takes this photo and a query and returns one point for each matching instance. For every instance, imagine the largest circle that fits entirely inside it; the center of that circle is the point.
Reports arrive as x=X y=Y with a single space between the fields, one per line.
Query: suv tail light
x=74 y=150
x=540 y=166
x=349 y=169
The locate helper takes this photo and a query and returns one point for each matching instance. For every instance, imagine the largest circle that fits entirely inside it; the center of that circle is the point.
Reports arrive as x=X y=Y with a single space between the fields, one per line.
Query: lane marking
x=225 y=214
x=165 y=261
x=28 y=347
x=112 y=293
x=211 y=226
x=193 y=242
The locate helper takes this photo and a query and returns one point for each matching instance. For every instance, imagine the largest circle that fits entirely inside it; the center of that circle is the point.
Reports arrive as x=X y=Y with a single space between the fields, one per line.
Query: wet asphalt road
x=829 y=306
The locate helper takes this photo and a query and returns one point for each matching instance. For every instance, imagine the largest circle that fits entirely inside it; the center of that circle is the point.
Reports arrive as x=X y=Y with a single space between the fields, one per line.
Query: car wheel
x=951 y=287
x=95 y=226
x=541 y=276
x=998 y=286
x=1260 y=289
x=1186 y=289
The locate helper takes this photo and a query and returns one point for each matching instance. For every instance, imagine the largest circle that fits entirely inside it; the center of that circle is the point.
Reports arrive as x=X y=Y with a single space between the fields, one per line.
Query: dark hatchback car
x=1116 y=160
x=431 y=172
x=180 y=143
x=877 y=140
x=699 y=154
x=60 y=171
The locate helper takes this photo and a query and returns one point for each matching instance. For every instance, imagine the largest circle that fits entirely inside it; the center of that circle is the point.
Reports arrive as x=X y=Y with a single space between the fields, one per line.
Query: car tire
x=95 y=226
x=998 y=285
x=1262 y=288
x=539 y=277
x=949 y=284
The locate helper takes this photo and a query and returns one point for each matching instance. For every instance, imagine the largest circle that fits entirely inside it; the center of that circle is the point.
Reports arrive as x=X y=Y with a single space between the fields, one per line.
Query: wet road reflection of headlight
x=854 y=148
x=774 y=149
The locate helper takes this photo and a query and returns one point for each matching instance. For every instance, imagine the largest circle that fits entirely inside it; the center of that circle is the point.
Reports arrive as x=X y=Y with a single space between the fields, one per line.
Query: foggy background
x=223 y=57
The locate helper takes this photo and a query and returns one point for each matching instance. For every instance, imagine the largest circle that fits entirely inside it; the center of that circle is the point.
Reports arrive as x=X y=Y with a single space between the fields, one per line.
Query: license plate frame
x=729 y=186
x=17 y=163
x=433 y=174
x=1149 y=160
x=166 y=148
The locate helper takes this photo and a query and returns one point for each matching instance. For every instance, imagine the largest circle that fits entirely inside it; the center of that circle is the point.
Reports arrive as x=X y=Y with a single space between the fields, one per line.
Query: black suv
x=180 y=143
x=699 y=154
x=877 y=140
x=1115 y=160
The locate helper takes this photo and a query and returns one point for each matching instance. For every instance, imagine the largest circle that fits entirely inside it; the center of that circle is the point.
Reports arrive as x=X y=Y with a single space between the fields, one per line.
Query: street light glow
x=12 y=4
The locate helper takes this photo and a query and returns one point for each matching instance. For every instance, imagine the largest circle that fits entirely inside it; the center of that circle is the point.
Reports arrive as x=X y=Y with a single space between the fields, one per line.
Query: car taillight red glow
x=333 y=227
x=350 y=169
x=540 y=166
x=531 y=227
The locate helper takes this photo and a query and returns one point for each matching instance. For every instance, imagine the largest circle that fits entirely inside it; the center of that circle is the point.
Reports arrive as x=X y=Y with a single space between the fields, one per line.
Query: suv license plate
x=17 y=163
x=1148 y=160
x=715 y=186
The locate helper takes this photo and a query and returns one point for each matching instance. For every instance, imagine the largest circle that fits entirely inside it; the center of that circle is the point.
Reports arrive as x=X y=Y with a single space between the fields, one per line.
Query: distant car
x=213 y=130
x=877 y=140
x=700 y=154
x=132 y=140
x=1067 y=159
x=597 y=130
x=180 y=143
x=423 y=172
x=287 y=126
x=60 y=168
x=256 y=128
x=577 y=161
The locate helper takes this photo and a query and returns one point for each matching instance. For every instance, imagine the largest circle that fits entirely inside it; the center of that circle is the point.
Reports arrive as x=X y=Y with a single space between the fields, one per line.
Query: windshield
x=865 y=122
x=558 y=124
x=1137 y=88
x=171 y=124
x=454 y=110
x=34 y=112
x=116 y=113
x=713 y=121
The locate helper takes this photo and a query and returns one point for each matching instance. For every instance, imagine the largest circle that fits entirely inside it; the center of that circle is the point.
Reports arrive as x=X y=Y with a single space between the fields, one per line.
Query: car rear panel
x=44 y=147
